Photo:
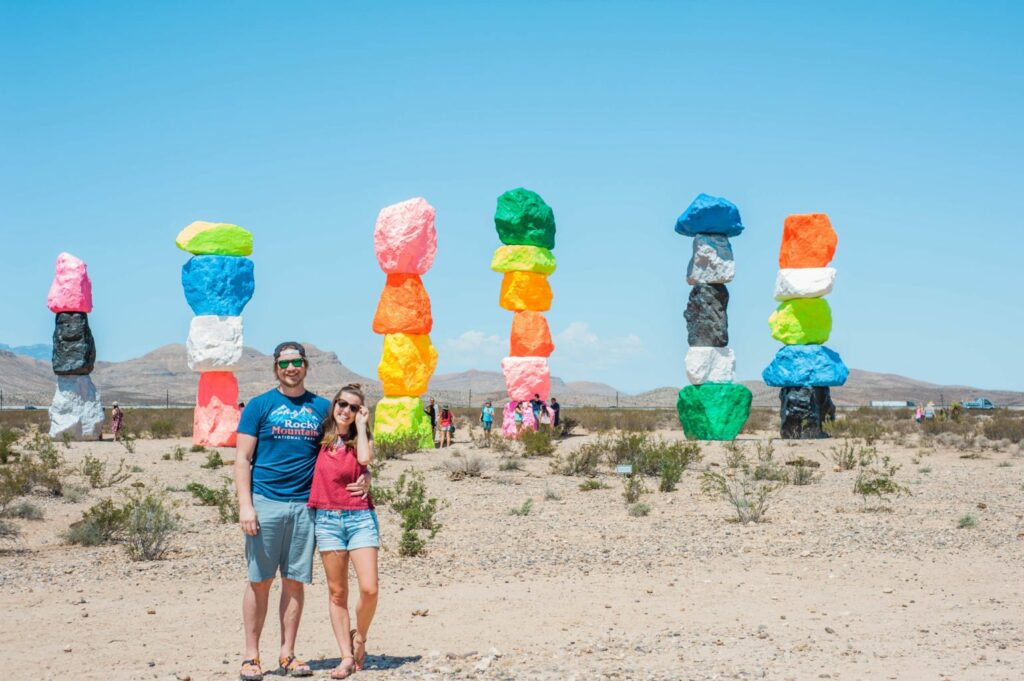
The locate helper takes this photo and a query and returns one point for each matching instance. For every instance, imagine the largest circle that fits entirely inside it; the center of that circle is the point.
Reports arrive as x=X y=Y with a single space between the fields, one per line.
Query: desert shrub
x=632 y=487
x=195 y=449
x=43 y=448
x=462 y=467
x=8 y=531
x=522 y=510
x=178 y=454
x=95 y=472
x=735 y=456
x=766 y=467
x=750 y=498
x=102 y=523
x=149 y=525
x=624 y=447
x=213 y=460
x=500 y=445
x=803 y=472
x=161 y=429
x=1003 y=426
x=224 y=498
x=73 y=493
x=865 y=426
x=876 y=478
x=655 y=454
x=66 y=438
x=566 y=427
x=28 y=474
x=582 y=461
x=411 y=543
x=8 y=438
x=967 y=522
x=639 y=509
x=510 y=463
x=590 y=485
x=127 y=441
x=844 y=456
x=388 y=447
x=409 y=499
x=759 y=419
x=551 y=495
x=596 y=419
x=536 y=442
x=963 y=426
x=25 y=510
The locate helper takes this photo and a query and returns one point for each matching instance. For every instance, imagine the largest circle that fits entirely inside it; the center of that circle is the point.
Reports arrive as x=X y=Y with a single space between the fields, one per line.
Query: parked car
x=978 y=403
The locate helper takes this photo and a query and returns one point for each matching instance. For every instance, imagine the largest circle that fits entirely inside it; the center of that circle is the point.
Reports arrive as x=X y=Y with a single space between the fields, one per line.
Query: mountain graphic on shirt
x=293 y=418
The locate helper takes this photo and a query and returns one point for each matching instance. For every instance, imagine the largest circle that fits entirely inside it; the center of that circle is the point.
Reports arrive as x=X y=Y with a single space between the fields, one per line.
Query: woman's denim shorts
x=346 y=530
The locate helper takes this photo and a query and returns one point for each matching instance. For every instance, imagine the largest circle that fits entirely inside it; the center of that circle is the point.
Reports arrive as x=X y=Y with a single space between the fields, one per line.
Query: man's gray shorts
x=285 y=541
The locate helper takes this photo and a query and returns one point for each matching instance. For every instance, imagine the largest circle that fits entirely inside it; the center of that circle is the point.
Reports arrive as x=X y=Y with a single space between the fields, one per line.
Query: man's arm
x=244 y=450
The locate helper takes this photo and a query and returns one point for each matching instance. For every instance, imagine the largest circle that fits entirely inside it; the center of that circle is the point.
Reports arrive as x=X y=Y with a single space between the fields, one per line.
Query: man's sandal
x=343 y=671
x=293 y=666
x=251 y=670
x=360 y=652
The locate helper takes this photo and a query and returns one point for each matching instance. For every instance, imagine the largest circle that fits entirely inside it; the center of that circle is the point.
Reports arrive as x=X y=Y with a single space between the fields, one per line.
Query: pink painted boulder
x=405 y=239
x=216 y=424
x=217 y=384
x=71 y=290
x=526 y=377
x=508 y=419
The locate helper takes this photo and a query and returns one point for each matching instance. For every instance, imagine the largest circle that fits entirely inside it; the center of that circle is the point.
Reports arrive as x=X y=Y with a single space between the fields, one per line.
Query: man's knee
x=291 y=585
x=261 y=587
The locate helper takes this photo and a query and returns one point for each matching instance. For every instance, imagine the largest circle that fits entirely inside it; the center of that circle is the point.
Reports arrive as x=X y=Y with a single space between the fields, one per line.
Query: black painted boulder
x=804 y=409
x=707 y=324
x=74 y=350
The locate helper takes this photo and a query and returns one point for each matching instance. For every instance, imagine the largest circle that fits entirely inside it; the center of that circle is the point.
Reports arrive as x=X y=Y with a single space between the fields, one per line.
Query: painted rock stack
x=76 y=406
x=526 y=225
x=405 y=241
x=713 y=407
x=804 y=369
x=218 y=282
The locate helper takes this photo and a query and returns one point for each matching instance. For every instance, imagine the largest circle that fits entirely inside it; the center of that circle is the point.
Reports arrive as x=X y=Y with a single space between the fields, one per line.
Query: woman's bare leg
x=336 y=568
x=365 y=563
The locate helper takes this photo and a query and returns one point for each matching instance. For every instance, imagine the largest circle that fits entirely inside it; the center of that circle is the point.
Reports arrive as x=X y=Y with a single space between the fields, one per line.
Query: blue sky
x=123 y=122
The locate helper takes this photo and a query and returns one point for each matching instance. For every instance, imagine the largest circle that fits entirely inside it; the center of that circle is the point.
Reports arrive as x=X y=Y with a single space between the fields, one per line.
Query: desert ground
x=576 y=588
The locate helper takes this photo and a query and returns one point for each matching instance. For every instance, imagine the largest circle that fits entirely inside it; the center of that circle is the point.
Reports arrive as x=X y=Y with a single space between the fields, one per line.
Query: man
x=431 y=410
x=536 y=404
x=278 y=441
x=555 y=408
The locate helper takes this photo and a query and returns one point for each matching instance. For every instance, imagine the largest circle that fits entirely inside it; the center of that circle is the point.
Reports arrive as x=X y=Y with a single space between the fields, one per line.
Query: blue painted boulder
x=803 y=365
x=710 y=215
x=218 y=284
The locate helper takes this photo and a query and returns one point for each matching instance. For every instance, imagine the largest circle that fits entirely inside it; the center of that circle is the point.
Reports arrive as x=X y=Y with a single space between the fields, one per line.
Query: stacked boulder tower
x=526 y=227
x=218 y=281
x=805 y=369
x=405 y=241
x=76 y=406
x=713 y=406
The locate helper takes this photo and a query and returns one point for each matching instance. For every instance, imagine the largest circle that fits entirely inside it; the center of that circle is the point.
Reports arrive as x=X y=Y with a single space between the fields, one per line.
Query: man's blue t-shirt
x=287 y=432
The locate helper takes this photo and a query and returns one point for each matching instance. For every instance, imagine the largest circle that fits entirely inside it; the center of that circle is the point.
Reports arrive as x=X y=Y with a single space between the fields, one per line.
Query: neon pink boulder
x=405 y=239
x=508 y=419
x=220 y=384
x=71 y=290
x=526 y=377
x=216 y=425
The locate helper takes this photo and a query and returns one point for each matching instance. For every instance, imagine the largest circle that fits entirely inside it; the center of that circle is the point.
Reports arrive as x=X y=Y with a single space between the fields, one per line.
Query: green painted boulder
x=523 y=259
x=523 y=219
x=713 y=411
x=801 y=321
x=402 y=417
x=215 y=238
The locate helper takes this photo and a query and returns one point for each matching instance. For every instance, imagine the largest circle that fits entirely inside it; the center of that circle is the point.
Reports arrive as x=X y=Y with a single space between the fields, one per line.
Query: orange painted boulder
x=407 y=364
x=216 y=424
x=221 y=385
x=530 y=335
x=404 y=306
x=807 y=241
x=525 y=291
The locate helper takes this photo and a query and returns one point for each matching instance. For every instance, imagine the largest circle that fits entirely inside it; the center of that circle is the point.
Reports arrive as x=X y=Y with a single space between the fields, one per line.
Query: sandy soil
x=577 y=589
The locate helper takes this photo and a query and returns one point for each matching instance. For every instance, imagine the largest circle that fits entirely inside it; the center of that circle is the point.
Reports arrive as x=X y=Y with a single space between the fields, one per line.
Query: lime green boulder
x=523 y=259
x=713 y=411
x=523 y=219
x=801 y=321
x=215 y=238
x=401 y=417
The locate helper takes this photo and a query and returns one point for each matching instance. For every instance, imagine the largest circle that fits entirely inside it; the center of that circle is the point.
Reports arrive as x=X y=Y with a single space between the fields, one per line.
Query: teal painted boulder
x=713 y=411
x=524 y=219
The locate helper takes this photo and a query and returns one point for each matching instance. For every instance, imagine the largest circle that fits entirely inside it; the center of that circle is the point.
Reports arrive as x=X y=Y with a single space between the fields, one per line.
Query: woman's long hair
x=331 y=432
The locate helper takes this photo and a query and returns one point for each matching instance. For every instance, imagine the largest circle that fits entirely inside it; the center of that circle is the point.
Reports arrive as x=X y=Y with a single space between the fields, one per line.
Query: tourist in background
x=116 y=421
x=431 y=410
x=487 y=418
x=555 y=416
x=446 y=421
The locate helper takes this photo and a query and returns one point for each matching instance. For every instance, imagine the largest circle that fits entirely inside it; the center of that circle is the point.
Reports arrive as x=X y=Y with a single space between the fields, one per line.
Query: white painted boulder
x=214 y=342
x=804 y=282
x=76 y=408
x=712 y=261
x=710 y=365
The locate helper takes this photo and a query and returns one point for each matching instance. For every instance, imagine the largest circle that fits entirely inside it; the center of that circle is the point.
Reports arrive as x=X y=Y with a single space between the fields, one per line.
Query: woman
x=116 y=420
x=518 y=418
x=487 y=419
x=447 y=421
x=346 y=524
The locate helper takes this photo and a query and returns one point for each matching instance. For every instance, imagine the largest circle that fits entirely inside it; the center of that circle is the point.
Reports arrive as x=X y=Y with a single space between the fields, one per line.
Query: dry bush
x=461 y=467
x=1005 y=425
x=158 y=423
x=760 y=419
x=596 y=419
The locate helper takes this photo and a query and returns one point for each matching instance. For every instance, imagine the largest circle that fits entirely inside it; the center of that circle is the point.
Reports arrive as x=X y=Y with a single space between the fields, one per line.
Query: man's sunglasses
x=354 y=408
x=283 y=363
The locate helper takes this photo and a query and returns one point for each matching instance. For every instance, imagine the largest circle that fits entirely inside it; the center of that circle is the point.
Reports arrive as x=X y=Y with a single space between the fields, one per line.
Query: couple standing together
x=302 y=481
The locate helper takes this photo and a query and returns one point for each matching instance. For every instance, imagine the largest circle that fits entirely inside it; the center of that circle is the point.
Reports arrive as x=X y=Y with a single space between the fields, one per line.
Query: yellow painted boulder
x=523 y=259
x=407 y=364
x=525 y=291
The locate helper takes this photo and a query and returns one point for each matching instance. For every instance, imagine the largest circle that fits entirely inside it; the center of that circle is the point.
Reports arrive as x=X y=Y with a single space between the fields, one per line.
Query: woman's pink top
x=446 y=420
x=335 y=468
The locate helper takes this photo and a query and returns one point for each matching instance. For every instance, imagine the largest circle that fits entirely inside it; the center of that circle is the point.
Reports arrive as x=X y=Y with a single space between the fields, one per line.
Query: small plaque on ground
x=624 y=469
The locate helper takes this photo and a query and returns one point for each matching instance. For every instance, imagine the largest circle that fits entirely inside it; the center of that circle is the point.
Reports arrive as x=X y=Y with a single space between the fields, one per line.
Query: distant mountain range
x=163 y=377
x=40 y=351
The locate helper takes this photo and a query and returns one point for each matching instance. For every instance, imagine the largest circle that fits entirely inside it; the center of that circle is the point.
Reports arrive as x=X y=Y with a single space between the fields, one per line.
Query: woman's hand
x=362 y=418
x=361 y=487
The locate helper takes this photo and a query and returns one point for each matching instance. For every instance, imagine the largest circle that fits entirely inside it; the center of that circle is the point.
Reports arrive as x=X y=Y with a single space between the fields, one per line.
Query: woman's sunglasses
x=283 y=364
x=354 y=408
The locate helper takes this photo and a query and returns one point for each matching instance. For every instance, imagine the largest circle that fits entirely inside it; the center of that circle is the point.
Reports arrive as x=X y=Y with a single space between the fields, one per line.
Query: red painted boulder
x=807 y=241
x=531 y=336
x=404 y=306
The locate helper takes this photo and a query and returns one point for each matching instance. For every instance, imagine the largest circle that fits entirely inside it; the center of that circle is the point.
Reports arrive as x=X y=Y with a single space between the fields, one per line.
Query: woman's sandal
x=360 y=652
x=251 y=670
x=343 y=671
x=293 y=666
